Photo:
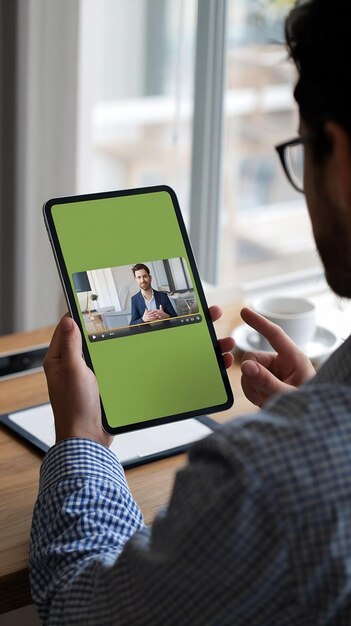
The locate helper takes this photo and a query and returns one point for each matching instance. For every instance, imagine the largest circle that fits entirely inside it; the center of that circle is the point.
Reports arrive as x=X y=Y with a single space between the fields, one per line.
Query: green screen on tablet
x=169 y=366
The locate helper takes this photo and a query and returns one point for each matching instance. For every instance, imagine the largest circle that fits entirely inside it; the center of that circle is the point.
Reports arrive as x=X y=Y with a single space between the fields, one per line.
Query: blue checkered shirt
x=257 y=530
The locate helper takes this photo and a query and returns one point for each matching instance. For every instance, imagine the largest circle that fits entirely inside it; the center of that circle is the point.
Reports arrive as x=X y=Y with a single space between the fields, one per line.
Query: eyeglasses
x=291 y=154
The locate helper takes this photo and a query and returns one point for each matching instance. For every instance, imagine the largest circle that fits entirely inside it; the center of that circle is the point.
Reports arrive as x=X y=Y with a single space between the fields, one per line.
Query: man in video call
x=148 y=305
x=257 y=530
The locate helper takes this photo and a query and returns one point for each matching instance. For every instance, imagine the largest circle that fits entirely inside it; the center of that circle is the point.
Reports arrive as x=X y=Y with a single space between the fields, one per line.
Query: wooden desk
x=19 y=472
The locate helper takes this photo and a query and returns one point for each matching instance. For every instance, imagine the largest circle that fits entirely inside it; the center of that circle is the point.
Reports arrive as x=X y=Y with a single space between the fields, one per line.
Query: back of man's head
x=318 y=34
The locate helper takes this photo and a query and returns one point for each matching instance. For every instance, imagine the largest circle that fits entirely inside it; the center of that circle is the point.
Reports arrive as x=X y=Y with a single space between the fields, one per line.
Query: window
x=265 y=229
x=138 y=93
x=136 y=70
x=138 y=77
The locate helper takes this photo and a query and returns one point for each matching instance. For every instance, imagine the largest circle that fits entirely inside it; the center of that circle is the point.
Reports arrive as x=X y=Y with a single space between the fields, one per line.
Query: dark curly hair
x=318 y=35
x=140 y=266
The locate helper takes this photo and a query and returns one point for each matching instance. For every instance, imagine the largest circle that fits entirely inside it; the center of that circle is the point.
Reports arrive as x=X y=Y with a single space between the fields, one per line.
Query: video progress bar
x=139 y=329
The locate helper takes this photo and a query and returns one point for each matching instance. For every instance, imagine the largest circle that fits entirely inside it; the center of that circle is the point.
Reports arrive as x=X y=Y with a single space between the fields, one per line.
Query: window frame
x=207 y=149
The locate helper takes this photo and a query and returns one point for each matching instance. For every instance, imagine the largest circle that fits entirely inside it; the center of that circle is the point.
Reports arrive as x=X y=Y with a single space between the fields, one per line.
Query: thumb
x=71 y=341
x=262 y=379
x=161 y=307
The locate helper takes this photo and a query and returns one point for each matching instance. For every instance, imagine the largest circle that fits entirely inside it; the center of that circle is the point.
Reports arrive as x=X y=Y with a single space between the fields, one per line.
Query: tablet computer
x=132 y=286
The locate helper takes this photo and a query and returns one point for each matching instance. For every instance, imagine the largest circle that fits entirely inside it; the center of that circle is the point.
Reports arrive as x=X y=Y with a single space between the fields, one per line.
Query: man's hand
x=149 y=316
x=160 y=314
x=73 y=388
x=265 y=374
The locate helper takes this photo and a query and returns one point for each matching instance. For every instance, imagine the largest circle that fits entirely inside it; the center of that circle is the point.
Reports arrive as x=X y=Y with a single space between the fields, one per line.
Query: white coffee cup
x=296 y=316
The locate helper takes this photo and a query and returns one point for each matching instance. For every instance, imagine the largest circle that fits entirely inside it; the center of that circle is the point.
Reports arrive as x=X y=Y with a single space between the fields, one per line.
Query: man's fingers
x=65 y=343
x=278 y=339
x=250 y=369
x=54 y=350
x=228 y=360
x=261 y=380
x=250 y=392
x=264 y=358
x=70 y=341
x=215 y=312
x=227 y=344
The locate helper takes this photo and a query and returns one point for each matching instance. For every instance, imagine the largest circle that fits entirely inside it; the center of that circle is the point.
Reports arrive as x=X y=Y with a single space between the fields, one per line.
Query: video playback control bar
x=139 y=329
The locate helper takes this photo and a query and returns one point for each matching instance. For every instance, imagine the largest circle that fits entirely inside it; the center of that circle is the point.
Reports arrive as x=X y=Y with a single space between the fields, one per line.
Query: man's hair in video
x=140 y=266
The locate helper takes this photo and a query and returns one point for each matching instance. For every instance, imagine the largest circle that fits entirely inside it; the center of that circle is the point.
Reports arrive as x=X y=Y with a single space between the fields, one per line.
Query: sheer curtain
x=38 y=149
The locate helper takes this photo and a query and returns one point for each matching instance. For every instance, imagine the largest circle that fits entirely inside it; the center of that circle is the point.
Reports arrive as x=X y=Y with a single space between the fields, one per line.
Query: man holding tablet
x=258 y=528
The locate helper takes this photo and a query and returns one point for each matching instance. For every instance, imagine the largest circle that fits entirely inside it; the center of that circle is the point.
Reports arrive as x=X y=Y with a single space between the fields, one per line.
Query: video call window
x=132 y=299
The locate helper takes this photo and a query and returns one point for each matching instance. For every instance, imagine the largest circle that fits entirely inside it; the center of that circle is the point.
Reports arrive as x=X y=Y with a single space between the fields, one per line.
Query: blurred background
x=107 y=94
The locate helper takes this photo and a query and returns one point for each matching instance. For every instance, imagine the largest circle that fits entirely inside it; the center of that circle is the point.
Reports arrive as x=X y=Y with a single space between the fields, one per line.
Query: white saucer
x=324 y=342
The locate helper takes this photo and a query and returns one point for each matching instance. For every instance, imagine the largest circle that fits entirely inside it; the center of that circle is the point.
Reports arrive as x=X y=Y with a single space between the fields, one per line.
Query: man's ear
x=339 y=162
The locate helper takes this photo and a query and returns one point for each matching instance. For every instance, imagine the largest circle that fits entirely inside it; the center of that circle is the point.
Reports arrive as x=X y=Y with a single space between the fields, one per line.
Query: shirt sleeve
x=83 y=516
x=135 y=314
x=216 y=555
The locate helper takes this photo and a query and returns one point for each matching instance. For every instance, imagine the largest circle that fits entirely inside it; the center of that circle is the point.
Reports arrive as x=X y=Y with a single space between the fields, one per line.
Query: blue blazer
x=138 y=306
